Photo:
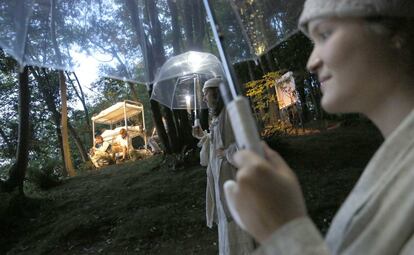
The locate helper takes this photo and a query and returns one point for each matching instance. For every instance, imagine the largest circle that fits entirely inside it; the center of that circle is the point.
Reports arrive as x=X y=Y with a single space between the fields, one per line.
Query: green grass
x=144 y=207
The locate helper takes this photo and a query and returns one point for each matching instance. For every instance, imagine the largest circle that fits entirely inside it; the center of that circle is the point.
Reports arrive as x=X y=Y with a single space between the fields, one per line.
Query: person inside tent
x=363 y=56
x=100 y=153
x=122 y=145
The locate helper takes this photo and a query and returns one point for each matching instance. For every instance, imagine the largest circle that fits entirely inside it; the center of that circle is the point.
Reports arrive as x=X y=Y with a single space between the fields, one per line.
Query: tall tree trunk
x=172 y=4
x=159 y=56
x=10 y=149
x=251 y=70
x=149 y=71
x=158 y=123
x=48 y=95
x=81 y=97
x=199 y=23
x=188 y=23
x=134 y=91
x=300 y=88
x=79 y=143
x=270 y=61
x=17 y=172
x=64 y=120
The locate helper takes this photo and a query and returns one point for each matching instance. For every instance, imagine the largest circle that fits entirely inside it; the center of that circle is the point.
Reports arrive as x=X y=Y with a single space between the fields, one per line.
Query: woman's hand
x=221 y=153
x=266 y=194
x=197 y=132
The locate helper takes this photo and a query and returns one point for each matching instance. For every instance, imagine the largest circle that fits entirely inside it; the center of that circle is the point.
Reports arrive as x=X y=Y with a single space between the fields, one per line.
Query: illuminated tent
x=117 y=117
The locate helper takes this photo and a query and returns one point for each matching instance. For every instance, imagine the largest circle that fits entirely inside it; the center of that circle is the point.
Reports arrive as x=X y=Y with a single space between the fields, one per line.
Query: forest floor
x=145 y=207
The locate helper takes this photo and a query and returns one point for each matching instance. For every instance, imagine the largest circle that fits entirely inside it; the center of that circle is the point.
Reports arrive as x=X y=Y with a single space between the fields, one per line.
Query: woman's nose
x=314 y=62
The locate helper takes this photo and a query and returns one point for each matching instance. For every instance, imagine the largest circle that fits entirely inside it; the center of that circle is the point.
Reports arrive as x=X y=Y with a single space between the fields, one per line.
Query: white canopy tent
x=118 y=112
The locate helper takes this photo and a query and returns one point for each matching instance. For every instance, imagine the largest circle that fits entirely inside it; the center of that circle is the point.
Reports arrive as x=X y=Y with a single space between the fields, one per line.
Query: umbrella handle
x=244 y=126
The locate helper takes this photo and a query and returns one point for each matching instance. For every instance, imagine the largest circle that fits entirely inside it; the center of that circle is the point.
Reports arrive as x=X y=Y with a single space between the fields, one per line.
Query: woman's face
x=352 y=63
x=211 y=97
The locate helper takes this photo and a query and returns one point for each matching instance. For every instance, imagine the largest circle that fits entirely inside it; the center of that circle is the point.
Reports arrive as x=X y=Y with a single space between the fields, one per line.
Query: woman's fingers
x=266 y=193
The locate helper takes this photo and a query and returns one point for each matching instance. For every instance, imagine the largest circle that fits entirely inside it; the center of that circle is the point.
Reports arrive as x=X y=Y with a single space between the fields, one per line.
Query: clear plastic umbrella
x=179 y=81
x=115 y=38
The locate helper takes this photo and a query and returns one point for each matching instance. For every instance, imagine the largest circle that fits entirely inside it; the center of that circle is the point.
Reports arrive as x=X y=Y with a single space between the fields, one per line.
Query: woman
x=364 y=58
x=218 y=147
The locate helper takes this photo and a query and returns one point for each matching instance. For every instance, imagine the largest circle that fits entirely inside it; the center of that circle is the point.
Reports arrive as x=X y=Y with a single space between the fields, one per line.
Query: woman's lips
x=324 y=79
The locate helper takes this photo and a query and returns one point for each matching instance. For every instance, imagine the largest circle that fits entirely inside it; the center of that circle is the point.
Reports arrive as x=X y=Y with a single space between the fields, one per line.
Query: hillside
x=144 y=207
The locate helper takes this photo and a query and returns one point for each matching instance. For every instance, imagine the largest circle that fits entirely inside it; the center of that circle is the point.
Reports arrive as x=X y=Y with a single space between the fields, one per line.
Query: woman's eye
x=324 y=35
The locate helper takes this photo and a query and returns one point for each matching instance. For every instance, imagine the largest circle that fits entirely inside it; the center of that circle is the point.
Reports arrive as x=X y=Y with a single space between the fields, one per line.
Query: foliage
x=45 y=174
x=262 y=94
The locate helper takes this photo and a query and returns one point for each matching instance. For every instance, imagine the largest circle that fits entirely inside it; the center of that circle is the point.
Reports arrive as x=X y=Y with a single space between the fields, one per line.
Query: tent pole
x=93 y=133
x=144 y=128
x=126 y=122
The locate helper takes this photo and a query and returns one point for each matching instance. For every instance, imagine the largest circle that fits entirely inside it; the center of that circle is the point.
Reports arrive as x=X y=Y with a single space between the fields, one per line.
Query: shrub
x=45 y=175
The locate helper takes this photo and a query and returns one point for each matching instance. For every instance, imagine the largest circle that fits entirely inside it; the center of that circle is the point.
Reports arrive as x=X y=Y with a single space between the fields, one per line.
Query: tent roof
x=115 y=113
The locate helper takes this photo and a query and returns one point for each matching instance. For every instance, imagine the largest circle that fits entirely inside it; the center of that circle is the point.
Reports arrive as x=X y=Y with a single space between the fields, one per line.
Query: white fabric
x=103 y=147
x=111 y=134
x=122 y=141
x=314 y=9
x=376 y=218
x=232 y=239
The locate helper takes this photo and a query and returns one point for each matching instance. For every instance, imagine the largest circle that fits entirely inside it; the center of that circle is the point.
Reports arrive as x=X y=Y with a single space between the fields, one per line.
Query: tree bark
x=78 y=142
x=10 y=149
x=159 y=125
x=199 y=24
x=17 y=172
x=47 y=93
x=175 y=26
x=188 y=23
x=81 y=97
x=64 y=123
x=149 y=71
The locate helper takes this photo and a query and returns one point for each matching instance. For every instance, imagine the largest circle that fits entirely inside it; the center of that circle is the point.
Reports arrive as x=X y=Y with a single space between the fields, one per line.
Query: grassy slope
x=134 y=208
x=145 y=208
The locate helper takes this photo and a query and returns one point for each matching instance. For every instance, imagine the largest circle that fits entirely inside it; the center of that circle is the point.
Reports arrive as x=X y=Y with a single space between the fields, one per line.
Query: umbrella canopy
x=120 y=38
x=179 y=81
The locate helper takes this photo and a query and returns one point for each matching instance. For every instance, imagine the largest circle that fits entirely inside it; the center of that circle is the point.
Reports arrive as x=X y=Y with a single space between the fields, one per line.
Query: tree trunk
x=149 y=71
x=199 y=24
x=64 y=120
x=188 y=23
x=172 y=4
x=47 y=93
x=300 y=88
x=134 y=91
x=78 y=142
x=172 y=131
x=17 y=172
x=159 y=56
x=81 y=97
x=10 y=149
x=251 y=70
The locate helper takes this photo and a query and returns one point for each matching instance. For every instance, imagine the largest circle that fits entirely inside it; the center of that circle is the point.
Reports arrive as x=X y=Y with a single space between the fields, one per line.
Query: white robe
x=376 y=218
x=232 y=239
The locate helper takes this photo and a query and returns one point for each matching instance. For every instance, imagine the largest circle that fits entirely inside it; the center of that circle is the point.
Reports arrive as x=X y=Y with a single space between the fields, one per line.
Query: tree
x=64 y=114
x=17 y=172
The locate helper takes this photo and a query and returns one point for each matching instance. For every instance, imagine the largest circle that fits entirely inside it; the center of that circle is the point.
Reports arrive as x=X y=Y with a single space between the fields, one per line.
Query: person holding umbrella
x=364 y=57
x=217 y=149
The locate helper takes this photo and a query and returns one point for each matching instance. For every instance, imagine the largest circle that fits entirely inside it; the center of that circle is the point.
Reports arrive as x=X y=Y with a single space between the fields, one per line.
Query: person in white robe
x=363 y=56
x=217 y=149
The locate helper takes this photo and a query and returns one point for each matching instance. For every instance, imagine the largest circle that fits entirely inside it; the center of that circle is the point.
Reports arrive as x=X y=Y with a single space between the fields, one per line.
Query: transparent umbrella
x=119 y=38
x=179 y=81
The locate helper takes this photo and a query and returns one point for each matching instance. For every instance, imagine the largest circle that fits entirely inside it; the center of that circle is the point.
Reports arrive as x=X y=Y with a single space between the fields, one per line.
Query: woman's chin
x=331 y=106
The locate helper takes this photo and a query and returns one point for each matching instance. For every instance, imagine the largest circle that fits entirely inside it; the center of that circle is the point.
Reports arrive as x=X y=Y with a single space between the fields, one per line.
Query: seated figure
x=100 y=153
x=122 y=144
